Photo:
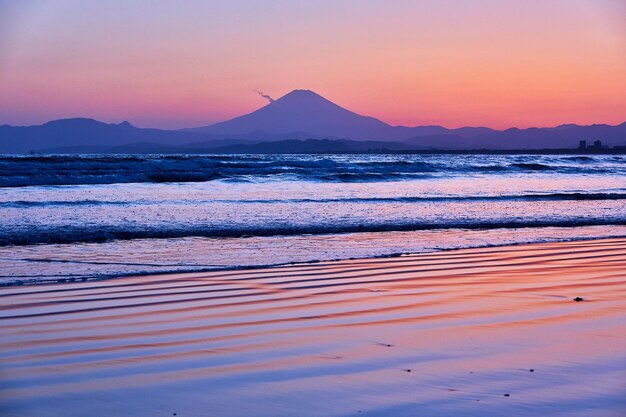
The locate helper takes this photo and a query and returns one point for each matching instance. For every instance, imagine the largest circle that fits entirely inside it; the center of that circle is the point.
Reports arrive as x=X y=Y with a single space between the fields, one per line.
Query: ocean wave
x=420 y=199
x=99 y=234
x=53 y=170
x=533 y=166
x=578 y=158
x=409 y=199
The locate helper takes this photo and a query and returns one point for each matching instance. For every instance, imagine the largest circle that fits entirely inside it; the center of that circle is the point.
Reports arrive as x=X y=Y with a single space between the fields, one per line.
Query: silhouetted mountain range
x=301 y=121
x=83 y=133
x=304 y=114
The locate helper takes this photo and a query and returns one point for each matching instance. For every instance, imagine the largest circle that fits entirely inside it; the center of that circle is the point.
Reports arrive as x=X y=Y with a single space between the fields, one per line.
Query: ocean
x=69 y=217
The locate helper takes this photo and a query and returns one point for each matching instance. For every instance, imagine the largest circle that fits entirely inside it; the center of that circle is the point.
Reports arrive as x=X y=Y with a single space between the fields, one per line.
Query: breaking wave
x=90 y=234
x=415 y=199
x=51 y=170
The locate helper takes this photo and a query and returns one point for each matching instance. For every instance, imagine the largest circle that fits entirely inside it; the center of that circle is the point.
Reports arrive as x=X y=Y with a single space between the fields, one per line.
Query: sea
x=67 y=218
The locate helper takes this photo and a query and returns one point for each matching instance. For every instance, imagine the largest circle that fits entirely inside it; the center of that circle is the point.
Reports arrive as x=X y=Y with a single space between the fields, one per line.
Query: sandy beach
x=472 y=332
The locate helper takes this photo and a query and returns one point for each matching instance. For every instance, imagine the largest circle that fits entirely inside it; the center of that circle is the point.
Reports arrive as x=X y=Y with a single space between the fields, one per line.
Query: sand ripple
x=439 y=334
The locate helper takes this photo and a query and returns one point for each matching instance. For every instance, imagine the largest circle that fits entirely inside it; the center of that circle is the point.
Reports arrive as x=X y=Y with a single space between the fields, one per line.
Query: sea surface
x=68 y=217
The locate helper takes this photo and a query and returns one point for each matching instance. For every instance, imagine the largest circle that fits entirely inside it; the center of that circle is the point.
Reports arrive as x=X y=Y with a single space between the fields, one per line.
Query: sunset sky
x=174 y=64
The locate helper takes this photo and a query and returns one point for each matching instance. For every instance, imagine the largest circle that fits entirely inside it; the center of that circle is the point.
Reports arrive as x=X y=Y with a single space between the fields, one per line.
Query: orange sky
x=448 y=62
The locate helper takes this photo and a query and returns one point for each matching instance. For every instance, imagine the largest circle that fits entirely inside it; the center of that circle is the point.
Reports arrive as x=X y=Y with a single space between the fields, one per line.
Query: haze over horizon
x=437 y=63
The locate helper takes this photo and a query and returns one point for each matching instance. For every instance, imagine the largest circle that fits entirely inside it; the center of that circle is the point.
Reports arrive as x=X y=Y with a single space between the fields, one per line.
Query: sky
x=454 y=63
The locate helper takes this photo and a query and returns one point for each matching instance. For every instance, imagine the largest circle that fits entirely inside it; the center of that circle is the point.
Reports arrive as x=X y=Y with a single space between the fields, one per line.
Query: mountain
x=295 y=120
x=301 y=111
x=303 y=114
x=559 y=137
x=564 y=136
x=87 y=135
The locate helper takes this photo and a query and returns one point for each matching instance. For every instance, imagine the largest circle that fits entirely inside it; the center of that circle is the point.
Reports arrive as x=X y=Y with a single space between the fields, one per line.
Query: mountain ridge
x=299 y=115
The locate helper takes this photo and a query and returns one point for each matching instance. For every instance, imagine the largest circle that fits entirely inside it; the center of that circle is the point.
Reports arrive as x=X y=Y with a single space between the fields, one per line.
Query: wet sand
x=473 y=332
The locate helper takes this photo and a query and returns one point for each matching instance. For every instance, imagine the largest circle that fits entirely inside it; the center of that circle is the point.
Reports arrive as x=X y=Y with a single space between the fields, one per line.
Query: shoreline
x=483 y=331
x=63 y=281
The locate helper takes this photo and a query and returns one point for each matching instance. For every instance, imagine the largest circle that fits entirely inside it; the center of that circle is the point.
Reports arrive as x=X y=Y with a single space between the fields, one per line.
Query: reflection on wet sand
x=446 y=333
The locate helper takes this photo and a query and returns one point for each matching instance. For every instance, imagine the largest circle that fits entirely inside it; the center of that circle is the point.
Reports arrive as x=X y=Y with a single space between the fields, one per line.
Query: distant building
x=597 y=145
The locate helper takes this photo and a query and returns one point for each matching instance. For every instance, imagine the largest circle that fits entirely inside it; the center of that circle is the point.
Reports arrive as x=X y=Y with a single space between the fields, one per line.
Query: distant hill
x=561 y=137
x=314 y=146
x=83 y=132
x=564 y=136
x=301 y=120
x=227 y=146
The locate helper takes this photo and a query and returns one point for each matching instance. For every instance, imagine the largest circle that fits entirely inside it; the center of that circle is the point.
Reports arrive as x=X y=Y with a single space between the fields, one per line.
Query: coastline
x=441 y=333
x=336 y=244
